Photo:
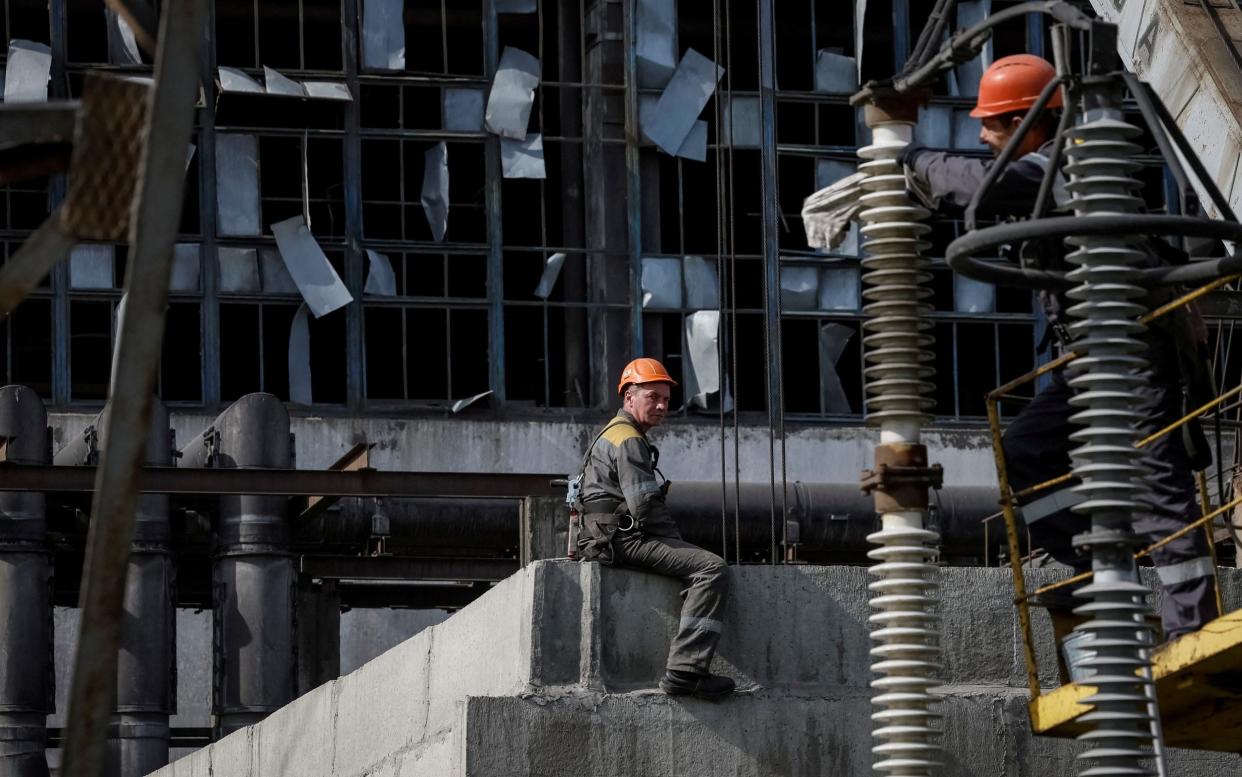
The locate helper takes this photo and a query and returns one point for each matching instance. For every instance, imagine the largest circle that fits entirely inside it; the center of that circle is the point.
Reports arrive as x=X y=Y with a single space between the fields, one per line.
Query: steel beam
x=408 y=568
x=288 y=482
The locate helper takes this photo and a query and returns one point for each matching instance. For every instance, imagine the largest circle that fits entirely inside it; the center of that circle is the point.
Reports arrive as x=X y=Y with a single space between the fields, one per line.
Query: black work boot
x=704 y=685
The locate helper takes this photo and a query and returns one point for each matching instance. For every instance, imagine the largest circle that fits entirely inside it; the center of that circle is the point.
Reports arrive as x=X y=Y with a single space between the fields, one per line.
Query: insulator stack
x=897 y=348
x=1105 y=330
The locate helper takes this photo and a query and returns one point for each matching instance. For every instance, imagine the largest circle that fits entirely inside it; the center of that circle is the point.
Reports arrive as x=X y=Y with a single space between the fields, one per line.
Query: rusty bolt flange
x=901 y=477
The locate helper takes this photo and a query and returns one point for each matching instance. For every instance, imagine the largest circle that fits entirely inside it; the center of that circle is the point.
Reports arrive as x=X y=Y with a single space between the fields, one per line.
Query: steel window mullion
x=209 y=268
x=352 y=172
x=633 y=175
x=495 y=233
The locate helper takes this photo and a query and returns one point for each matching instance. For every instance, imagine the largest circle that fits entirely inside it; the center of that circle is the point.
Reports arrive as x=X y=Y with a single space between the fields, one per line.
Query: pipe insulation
x=26 y=678
x=1124 y=724
x=897 y=345
x=138 y=736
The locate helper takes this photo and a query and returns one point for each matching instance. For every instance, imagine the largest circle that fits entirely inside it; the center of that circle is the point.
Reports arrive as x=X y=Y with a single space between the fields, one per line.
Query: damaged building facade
x=441 y=228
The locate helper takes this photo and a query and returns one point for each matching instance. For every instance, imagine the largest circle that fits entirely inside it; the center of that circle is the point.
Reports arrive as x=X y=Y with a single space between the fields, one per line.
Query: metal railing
x=1009 y=499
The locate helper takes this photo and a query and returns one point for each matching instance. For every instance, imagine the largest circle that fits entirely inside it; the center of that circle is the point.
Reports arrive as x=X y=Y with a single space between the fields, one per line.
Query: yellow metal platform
x=1198 y=682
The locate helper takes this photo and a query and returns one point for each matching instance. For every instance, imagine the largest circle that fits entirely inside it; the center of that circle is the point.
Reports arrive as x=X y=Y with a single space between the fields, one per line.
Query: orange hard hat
x=1013 y=84
x=644 y=370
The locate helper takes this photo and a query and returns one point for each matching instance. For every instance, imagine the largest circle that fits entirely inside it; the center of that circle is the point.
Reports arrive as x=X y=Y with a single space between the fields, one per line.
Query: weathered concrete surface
x=551 y=673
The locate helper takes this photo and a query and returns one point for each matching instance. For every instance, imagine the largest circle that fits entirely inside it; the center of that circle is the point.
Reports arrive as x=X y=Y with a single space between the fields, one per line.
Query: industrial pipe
x=831 y=518
x=897 y=348
x=254 y=576
x=26 y=697
x=138 y=735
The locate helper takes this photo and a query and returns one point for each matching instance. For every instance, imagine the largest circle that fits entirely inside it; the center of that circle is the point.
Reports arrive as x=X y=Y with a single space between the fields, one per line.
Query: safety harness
x=606 y=510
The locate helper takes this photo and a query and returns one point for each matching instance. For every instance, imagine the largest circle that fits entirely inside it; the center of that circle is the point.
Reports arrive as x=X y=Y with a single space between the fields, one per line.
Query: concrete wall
x=551 y=673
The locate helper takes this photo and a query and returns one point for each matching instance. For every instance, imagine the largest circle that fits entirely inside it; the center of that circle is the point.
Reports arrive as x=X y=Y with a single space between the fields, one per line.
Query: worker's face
x=996 y=131
x=648 y=403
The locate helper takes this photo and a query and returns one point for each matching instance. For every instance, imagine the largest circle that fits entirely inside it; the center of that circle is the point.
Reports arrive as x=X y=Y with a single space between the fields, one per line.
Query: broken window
x=294 y=35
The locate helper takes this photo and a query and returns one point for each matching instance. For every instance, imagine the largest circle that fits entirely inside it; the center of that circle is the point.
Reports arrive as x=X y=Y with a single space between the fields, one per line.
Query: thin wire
x=768 y=345
x=718 y=160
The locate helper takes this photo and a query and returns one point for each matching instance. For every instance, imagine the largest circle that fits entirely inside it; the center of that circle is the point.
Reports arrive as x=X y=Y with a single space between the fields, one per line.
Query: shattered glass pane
x=91 y=267
x=280 y=84
x=661 y=283
x=935 y=126
x=516 y=6
x=965 y=130
x=702 y=285
x=839 y=288
x=835 y=73
x=832 y=341
x=799 y=287
x=239 y=271
x=318 y=282
x=463 y=109
x=741 y=122
x=971 y=296
x=184 y=272
x=26 y=72
x=237 y=184
x=682 y=101
x=702 y=374
x=276 y=278
x=513 y=93
x=656 y=42
x=381 y=281
x=694 y=147
x=327 y=90
x=383 y=34
x=234 y=80
x=299 y=358
x=522 y=158
x=435 y=195
x=551 y=271
x=122 y=47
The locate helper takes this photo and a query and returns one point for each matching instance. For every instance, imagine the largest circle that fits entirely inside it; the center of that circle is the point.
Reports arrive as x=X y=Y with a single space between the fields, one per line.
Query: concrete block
x=281 y=739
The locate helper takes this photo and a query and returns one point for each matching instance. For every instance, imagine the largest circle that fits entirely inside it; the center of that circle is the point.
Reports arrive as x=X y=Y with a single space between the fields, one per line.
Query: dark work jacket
x=620 y=469
x=954 y=179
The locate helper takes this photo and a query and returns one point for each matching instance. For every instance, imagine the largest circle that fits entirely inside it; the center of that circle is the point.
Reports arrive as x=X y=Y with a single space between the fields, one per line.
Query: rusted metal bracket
x=901 y=477
x=355 y=459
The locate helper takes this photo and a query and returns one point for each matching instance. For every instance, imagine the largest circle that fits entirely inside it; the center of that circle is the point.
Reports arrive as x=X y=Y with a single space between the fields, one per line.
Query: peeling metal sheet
x=462 y=404
x=661 y=283
x=276 y=83
x=233 y=80
x=835 y=73
x=92 y=266
x=965 y=130
x=383 y=34
x=840 y=288
x=516 y=6
x=694 y=147
x=327 y=90
x=935 y=126
x=682 y=101
x=512 y=94
x=522 y=158
x=833 y=338
x=860 y=22
x=239 y=270
x=656 y=42
x=122 y=46
x=741 y=122
x=237 y=184
x=551 y=272
x=299 y=358
x=702 y=365
x=971 y=296
x=702 y=283
x=26 y=72
x=184 y=275
x=799 y=287
x=318 y=282
x=435 y=196
x=970 y=13
x=381 y=281
x=463 y=109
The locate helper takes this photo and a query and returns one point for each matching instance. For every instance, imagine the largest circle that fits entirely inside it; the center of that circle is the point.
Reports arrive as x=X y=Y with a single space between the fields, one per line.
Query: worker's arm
x=636 y=476
x=954 y=179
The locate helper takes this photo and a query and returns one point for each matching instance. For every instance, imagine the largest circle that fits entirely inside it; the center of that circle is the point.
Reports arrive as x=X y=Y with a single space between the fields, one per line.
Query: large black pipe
x=253 y=575
x=831 y=518
x=145 y=690
x=26 y=696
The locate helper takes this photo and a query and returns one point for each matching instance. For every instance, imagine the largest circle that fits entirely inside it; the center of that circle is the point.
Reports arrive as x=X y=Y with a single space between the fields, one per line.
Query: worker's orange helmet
x=644 y=370
x=1013 y=84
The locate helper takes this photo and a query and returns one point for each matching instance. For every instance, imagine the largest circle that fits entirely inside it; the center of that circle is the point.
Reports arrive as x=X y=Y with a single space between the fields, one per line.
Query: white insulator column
x=897 y=348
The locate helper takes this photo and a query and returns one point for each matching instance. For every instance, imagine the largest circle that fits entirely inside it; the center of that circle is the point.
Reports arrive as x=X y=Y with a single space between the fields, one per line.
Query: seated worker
x=625 y=522
x=1037 y=443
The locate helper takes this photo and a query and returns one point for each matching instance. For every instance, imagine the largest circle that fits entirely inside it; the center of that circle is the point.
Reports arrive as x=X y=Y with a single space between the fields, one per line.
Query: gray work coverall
x=1037 y=442
x=625 y=522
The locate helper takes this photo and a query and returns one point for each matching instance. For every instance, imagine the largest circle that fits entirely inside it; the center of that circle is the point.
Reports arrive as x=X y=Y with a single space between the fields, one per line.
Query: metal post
x=355 y=256
x=138 y=735
x=897 y=349
x=156 y=214
x=254 y=577
x=25 y=593
x=495 y=233
x=633 y=177
x=209 y=264
x=573 y=217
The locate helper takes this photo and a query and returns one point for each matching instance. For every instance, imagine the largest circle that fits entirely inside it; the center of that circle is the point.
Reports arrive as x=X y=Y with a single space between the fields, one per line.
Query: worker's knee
x=713 y=572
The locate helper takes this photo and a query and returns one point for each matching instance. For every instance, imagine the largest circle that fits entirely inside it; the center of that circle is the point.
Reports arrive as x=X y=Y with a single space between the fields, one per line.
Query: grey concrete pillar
x=545 y=528
x=145 y=686
x=254 y=580
x=319 y=633
x=25 y=593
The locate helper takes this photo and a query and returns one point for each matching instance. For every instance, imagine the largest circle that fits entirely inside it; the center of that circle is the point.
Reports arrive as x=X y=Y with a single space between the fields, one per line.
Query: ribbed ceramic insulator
x=1105 y=330
x=897 y=347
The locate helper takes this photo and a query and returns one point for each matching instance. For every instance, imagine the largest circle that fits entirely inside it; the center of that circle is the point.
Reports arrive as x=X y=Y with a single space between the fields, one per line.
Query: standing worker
x=1038 y=441
x=626 y=522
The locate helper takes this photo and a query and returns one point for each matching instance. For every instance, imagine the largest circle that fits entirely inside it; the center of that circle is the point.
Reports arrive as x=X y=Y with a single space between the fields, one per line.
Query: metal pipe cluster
x=897 y=348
